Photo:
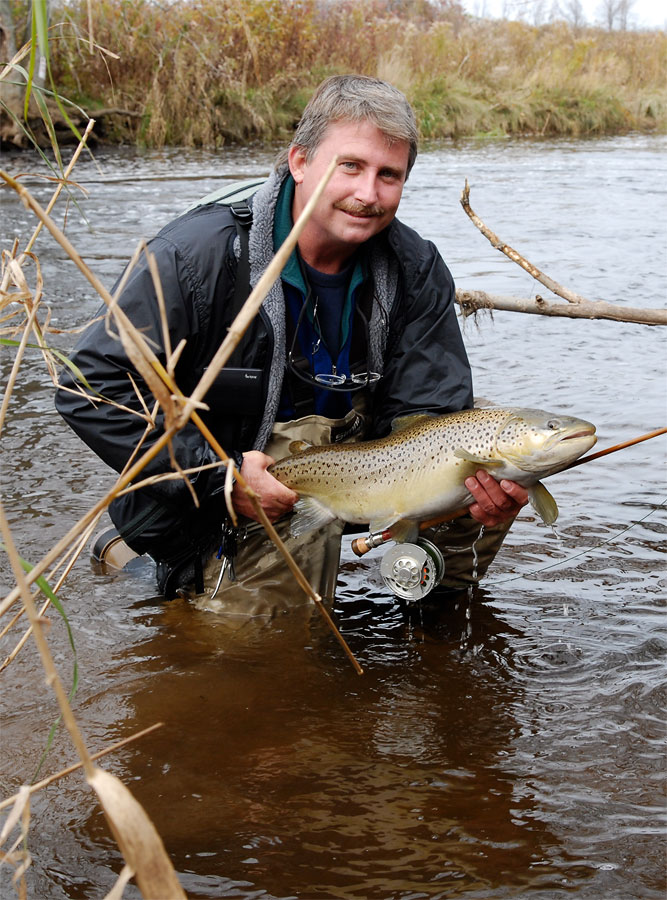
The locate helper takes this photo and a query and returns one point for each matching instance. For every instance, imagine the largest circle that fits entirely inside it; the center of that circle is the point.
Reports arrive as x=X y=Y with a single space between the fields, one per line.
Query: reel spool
x=411 y=571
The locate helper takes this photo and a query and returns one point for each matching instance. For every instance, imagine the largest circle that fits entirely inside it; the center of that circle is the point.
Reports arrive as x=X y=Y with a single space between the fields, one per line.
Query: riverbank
x=212 y=73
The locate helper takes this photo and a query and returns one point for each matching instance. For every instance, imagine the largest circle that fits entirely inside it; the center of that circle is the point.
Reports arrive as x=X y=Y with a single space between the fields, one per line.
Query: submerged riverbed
x=510 y=744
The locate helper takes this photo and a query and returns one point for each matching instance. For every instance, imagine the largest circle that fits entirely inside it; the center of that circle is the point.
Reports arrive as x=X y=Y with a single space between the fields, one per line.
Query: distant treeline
x=206 y=72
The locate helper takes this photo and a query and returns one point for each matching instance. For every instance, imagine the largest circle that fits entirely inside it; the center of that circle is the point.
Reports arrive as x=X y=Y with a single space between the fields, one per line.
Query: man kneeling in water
x=360 y=329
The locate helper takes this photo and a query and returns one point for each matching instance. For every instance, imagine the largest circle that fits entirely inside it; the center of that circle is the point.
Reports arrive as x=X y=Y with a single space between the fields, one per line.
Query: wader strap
x=243 y=217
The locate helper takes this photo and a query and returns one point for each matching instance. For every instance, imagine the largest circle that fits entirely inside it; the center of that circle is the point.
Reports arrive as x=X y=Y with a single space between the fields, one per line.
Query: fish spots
x=414 y=462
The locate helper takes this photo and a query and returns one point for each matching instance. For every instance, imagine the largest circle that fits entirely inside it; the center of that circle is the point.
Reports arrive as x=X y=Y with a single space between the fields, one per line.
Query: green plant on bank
x=215 y=71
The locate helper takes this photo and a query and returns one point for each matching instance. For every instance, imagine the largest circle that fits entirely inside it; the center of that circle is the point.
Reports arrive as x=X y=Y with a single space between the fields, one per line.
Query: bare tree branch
x=577 y=307
x=472 y=302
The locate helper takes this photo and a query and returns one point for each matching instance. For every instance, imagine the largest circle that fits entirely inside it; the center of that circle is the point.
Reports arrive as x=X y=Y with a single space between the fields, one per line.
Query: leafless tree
x=614 y=13
x=539 y=12
x=573 y=12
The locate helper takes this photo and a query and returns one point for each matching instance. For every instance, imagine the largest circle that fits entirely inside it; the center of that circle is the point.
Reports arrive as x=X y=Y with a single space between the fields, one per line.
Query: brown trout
x=418 y=471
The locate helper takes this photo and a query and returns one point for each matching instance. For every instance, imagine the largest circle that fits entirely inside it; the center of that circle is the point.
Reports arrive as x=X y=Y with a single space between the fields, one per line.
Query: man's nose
x=366 y=188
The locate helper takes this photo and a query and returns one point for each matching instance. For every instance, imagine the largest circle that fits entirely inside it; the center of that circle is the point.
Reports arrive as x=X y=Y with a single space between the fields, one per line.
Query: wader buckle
x=226 y=552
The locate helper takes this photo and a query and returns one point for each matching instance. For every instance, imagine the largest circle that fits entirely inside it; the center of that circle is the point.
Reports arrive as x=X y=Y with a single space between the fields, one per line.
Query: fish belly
x=415 y=495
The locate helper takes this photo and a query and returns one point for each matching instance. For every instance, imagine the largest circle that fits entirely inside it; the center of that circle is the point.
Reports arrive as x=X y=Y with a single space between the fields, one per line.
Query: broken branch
x=472 y=302
x=577 y=307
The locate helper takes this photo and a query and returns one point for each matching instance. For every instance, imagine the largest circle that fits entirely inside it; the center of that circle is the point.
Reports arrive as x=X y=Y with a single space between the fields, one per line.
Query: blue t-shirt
x=328 y=301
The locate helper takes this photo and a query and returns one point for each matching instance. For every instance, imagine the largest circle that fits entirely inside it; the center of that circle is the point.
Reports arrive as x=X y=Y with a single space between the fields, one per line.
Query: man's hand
x=274 y=498
x=496 y=502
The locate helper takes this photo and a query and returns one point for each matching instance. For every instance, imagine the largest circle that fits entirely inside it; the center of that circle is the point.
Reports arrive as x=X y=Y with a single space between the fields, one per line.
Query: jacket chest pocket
x=236 y=392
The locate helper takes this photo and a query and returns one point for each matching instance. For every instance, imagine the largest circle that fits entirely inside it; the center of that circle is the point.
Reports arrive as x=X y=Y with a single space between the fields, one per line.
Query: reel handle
x=361 y=546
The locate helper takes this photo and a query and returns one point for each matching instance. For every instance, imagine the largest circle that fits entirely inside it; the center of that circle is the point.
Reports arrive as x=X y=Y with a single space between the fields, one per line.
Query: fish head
x=540 y=442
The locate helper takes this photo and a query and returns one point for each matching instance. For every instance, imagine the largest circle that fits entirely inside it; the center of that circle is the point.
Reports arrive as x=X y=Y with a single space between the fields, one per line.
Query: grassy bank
x=213 y=71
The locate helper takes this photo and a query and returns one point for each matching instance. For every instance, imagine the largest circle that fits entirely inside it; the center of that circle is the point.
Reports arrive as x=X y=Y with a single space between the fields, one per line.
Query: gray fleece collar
x=261 y=253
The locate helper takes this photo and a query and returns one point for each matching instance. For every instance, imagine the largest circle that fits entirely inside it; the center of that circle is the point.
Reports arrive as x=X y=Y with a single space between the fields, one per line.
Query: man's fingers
x=481 y=491
x=494 y=502
x=506 y=494
x=518 y=493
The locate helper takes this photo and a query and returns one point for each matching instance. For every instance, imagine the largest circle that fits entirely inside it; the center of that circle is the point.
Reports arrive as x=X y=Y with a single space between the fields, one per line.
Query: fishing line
x=563 y=562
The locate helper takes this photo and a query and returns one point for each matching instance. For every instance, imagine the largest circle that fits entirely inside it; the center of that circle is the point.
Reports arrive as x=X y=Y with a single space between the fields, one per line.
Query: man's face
x=361 y=197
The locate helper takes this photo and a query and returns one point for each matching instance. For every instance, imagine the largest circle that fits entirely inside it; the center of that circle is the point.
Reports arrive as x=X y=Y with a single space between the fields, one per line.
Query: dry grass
x=218 y=70
x=213 y=71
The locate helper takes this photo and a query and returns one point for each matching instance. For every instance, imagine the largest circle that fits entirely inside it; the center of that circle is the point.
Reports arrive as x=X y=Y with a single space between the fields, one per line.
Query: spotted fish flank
x=418 y=471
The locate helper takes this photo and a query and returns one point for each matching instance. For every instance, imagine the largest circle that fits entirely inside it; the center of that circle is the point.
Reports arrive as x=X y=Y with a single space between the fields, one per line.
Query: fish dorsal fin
x=403 y=422
x=478 y=460
x=309 y=514
x=543 y=503
x=298 y=446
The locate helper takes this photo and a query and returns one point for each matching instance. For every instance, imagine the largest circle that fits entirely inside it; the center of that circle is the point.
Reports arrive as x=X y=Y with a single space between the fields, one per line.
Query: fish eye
x=553 y=424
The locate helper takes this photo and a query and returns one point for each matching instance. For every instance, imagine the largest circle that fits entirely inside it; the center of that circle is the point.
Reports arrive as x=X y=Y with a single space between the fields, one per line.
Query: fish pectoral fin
x=401 y=422
x=478 y=460
x=298 y=446
x=309 y=514
x=543 y=503
x=401 y=530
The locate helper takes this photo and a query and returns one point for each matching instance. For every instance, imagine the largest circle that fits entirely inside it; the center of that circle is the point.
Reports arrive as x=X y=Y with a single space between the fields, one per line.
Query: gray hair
x=355 y=98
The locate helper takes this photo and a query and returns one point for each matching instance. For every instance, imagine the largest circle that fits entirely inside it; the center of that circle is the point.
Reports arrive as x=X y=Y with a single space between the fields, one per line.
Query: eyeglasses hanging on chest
x=333 y=380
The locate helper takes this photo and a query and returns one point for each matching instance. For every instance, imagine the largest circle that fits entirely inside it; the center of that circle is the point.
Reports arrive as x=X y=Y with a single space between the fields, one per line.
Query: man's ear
x=296 y=158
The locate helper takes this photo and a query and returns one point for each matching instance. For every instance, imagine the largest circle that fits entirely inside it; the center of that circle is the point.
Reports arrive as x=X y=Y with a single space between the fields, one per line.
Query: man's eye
x=349 y=165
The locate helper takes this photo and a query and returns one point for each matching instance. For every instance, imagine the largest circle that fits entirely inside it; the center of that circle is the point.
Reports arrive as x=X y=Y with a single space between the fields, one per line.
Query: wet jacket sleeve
x=109 y=416
x=426 y=365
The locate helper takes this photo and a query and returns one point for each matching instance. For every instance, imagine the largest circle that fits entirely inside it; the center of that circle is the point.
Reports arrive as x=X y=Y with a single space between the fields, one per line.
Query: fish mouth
x=585 y=432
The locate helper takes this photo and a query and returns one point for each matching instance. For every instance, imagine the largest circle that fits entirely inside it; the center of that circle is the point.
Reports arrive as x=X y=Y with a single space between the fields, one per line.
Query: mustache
x=360 y=209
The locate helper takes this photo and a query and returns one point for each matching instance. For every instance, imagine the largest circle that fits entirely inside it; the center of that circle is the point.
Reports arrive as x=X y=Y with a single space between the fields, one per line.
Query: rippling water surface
x=509 y=744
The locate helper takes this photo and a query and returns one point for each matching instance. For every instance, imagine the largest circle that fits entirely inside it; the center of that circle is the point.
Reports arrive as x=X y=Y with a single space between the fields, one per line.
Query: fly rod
x=637 y=440
x=361 y=546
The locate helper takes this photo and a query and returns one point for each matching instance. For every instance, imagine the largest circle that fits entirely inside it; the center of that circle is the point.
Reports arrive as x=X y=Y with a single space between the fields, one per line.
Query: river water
x=510 y=744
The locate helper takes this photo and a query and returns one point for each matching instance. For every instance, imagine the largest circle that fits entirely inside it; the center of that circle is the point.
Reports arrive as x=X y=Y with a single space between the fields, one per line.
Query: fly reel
x=411 y=571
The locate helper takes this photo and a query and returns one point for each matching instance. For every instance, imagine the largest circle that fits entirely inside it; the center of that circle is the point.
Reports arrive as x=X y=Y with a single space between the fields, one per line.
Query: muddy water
x=510 y=744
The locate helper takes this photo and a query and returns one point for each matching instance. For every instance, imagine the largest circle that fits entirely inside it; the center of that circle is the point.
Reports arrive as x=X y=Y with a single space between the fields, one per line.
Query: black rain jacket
x=425 y=368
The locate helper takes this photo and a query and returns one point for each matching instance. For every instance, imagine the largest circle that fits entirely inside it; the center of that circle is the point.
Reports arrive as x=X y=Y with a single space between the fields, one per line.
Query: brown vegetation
x=213 y=71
